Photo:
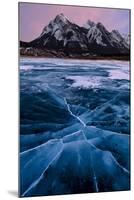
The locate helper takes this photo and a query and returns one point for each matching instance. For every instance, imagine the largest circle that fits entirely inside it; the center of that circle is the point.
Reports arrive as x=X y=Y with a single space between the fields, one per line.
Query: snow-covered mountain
x=99 y=37
x=127 y=38
x=64 y=36
x=61 y=34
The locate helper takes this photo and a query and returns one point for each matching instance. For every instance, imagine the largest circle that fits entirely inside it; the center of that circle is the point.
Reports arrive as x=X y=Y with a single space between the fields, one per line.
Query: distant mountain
x=61 y=36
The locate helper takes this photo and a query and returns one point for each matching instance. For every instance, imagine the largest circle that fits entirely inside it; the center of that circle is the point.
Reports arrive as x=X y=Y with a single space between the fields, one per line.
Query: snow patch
x=95 y=34
x=118 y=74
x=58 y=35
x=85 y=81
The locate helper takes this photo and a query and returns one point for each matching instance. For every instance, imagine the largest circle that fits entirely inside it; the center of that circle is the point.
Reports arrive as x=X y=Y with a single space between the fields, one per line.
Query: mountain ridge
x=61 y=36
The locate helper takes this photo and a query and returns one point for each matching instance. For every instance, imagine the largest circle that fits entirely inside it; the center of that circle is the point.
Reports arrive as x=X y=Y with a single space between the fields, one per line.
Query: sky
x=34 y=17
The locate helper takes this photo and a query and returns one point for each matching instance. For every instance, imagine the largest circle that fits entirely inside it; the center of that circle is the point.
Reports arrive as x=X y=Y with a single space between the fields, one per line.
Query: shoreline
x=124 y=58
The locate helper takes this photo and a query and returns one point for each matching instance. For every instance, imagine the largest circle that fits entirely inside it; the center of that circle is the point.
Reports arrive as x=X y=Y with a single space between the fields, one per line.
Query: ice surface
x=80 y=166
x=74 y=131
x=34 y=157
x=119 y=74
x=26 y=67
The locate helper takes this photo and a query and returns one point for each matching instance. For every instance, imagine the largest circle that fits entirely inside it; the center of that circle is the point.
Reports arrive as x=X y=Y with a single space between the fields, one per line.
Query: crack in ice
x=69 y=110
x=38 y=179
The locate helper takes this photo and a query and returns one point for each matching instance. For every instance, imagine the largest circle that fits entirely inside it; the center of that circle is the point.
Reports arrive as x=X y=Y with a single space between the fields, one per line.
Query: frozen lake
x=90 y=84
x=70 y=103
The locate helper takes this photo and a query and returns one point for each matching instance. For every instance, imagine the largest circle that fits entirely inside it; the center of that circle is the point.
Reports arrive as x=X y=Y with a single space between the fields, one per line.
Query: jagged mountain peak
x=100 y=26
x=89 y=24
x=117 y=35
x=126 y=38
x=115 y=31
x=61 y=18
x=58 y=22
